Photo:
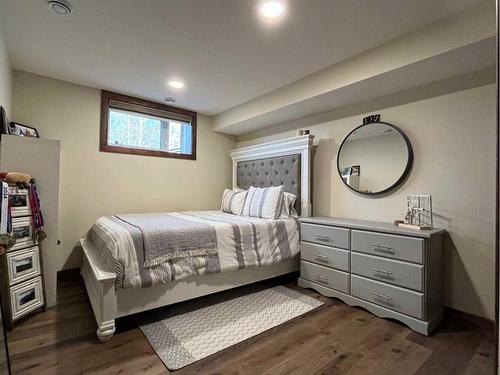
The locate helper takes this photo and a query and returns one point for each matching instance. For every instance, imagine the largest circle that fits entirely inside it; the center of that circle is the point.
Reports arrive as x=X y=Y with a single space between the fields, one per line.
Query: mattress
x=241 y=242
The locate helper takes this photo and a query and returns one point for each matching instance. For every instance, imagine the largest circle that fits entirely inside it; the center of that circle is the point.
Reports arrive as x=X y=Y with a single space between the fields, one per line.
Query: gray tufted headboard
x=274 y=171
x=285 y=162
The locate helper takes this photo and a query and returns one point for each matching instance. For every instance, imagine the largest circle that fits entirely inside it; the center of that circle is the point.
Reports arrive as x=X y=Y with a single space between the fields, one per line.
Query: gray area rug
x=188 y=337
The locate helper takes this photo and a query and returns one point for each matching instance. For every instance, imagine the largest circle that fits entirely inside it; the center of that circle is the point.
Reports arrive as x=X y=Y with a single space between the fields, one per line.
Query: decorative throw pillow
x=264 y=202
x=233 y=201
x=288 y=209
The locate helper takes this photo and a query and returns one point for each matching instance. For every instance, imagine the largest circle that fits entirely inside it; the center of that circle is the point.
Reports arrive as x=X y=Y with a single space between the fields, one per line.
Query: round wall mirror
x=374 y=158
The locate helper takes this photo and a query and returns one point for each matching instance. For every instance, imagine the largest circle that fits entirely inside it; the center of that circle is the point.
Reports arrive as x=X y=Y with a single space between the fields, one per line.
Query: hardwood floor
x=333 y=339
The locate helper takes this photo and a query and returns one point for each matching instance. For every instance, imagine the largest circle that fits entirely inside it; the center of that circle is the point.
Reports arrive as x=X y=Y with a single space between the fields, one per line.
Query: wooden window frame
x=148 y=108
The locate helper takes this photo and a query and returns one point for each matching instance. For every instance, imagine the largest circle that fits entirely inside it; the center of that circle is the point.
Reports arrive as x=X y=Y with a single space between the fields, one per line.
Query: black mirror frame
x=406 y=171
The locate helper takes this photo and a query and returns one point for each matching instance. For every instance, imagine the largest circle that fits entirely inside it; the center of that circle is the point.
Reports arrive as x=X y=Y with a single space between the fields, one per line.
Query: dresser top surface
x=372 y=226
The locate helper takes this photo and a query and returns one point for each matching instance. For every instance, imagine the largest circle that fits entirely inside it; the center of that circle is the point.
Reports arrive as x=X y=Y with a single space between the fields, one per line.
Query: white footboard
x=109 y=303
x=100 y=285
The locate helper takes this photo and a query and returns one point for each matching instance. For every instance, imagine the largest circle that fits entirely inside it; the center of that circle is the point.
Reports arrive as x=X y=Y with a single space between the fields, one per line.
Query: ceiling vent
x=61 y=7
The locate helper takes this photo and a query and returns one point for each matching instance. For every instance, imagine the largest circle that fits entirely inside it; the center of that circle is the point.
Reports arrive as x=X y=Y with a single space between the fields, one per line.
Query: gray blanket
x=166 y=237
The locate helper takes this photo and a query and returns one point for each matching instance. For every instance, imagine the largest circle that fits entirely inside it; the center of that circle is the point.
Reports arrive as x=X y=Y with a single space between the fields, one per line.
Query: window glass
x=128 y=129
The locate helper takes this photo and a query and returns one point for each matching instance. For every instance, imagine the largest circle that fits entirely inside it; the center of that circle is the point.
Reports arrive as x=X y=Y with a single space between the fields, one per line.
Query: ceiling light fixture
x=61 y=7
x=176 y=84
x=170 y=100
x=272 y=9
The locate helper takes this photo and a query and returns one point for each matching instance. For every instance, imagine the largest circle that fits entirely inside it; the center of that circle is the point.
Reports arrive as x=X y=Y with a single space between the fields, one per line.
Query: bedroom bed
x=124 y=275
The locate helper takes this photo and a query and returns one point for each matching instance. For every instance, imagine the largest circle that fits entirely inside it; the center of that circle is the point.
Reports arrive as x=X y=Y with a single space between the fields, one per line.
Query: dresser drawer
x=22 y=231
x=325 y=255
x=325 y=235
x=19 y=201
x=325 y=276
x=394 y=272
x=387 y=245
x=23 y=264
x=392 y=297
x=26 y=297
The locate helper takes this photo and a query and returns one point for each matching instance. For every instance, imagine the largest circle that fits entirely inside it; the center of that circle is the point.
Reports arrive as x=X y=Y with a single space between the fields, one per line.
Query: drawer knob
x=320 y=278
x=321 y=258
x=380 y=295
x=378 y=270
x=322 y=237
x=383 y=248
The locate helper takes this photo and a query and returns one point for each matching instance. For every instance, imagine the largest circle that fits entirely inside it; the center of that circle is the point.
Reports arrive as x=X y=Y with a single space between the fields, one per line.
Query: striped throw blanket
x=240 y=242
x=166 y=237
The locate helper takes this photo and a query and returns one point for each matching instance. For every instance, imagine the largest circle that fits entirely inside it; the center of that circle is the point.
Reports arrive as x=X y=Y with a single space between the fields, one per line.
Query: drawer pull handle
x=381 y=296
x=383 y=248
x=321 y=279
x=321 y=258
x=322 y=237
x=381 y=271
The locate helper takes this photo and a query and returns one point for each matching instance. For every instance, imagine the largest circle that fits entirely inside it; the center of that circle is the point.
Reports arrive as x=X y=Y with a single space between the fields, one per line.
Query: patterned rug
x=188 y=337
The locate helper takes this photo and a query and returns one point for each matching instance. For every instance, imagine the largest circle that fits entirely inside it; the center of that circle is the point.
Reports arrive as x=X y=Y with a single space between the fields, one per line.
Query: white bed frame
x=110 y=303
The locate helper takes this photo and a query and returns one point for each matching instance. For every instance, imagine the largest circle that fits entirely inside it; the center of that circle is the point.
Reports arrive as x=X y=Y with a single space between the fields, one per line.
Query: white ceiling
x=222 y=50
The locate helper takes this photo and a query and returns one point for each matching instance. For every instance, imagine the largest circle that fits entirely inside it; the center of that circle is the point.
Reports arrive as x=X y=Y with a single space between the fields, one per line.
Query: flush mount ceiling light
x=176 y=84
x=61 y=7
x=272 y=9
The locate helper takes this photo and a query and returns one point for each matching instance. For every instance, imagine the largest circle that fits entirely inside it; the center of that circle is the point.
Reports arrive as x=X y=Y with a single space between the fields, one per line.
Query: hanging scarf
x=5 y=219
x=35 y=207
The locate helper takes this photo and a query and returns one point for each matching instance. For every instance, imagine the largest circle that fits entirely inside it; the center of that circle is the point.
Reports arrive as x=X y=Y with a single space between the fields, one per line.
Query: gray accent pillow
x=265 y=203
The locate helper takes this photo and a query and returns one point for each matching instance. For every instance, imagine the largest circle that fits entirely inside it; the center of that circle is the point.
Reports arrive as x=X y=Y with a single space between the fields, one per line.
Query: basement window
x=140 y=127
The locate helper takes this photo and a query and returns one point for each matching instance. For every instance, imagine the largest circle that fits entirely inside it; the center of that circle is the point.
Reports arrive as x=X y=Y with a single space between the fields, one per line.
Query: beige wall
x=5 y=78
x=453 y=137
x=96 y=183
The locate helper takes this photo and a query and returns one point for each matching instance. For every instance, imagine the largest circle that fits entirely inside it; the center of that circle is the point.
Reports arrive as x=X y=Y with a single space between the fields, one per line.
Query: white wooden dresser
x=390 y=271
x=20 y=268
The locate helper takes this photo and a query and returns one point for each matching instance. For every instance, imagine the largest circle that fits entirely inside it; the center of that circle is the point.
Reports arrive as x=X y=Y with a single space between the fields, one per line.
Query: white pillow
x=288 y=209
x=265 y=203
x=233 y=201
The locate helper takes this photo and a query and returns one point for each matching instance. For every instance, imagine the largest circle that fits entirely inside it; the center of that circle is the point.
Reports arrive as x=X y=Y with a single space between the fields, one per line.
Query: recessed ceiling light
x=170 y=100
x=176 y=84
x=272 y=9
x=62 y=7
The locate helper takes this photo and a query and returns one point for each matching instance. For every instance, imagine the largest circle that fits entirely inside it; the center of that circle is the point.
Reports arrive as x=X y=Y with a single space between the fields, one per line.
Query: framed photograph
x=22 y=130
x=355 y=169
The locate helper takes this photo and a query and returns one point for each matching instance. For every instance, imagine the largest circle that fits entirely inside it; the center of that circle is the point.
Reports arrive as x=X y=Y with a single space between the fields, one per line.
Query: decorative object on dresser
x=418 y=212
x=375 y=157
x=21 y=284
x=392 y=272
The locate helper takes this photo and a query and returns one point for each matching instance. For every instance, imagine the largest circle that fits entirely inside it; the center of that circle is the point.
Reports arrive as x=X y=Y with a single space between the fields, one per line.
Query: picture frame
x=355 y=170
x=21 y=130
